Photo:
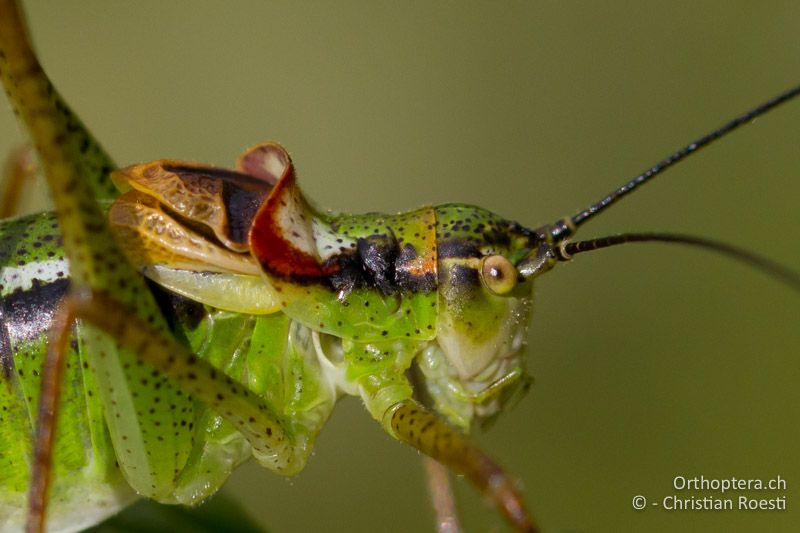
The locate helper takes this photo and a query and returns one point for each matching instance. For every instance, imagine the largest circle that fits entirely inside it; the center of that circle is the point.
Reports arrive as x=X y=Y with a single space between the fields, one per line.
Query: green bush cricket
x=306 y=173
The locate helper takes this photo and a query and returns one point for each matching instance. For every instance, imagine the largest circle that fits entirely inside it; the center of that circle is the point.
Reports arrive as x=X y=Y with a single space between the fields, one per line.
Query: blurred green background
x=650 y=361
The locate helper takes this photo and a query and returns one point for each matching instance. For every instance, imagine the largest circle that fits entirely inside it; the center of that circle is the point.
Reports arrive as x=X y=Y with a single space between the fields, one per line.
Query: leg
x=52 y=379
x=28 y=88
x=20 y=168
x=442 y=498
x=415 y=425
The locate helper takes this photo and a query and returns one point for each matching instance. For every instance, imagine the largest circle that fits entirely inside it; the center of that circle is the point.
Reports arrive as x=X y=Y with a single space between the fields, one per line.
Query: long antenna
x=566 y=227
x=566 y=250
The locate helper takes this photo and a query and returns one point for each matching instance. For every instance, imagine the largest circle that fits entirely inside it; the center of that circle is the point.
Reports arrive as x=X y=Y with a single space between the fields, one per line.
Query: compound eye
x=498 y=274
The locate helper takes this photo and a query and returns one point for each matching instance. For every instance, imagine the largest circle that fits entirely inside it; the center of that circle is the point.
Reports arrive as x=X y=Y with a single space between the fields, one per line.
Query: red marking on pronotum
x=274 y=252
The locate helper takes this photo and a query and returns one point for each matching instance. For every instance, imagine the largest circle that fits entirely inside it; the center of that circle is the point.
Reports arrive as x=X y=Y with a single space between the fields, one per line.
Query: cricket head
x=477 y=365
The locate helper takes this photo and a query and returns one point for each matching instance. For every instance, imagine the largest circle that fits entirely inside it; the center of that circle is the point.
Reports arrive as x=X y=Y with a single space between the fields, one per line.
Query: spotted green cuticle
x=172 y=395
x=366 y=314
x=469 y=231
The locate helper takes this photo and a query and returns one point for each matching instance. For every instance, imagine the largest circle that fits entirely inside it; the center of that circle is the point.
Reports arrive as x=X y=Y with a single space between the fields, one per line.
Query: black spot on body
x=378 y=254
x=458 y=248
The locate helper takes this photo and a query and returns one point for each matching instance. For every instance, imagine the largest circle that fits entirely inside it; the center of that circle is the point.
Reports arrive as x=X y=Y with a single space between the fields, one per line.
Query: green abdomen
x=88 y=483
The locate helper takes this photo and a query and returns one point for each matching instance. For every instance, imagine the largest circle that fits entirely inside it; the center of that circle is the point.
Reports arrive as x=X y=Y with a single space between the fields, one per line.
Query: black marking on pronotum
x=378 y=254
x=28 y=314
x=379 y=263
x=349 y=273
x=404 y=276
